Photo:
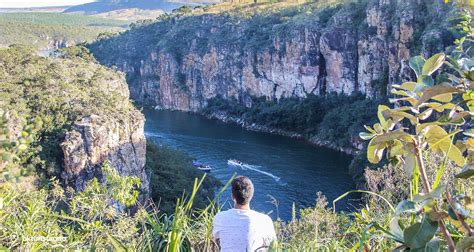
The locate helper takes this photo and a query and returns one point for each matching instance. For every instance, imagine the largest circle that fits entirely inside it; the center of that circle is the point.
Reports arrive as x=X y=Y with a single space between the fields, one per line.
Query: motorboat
x=201 y=166
x=234 y=162
x=205 y=168
x=197 y=163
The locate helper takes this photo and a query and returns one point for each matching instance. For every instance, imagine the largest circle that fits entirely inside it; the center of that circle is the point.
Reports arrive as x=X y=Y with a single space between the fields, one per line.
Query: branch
x=427 y=189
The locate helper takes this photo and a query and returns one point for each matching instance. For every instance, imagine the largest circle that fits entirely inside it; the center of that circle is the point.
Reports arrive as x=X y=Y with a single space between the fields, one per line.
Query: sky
x=39 y=3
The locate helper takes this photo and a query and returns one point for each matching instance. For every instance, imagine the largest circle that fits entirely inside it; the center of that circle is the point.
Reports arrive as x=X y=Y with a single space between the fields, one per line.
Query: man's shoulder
x=223 y=214
x=261 y=216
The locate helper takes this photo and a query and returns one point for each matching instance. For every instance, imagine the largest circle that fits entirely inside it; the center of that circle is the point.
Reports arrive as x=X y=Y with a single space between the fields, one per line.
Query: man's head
x=242 y=190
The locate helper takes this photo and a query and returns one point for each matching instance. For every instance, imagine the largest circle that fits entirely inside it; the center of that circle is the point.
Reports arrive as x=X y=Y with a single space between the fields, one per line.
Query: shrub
x=51 y=219
x=172 y=175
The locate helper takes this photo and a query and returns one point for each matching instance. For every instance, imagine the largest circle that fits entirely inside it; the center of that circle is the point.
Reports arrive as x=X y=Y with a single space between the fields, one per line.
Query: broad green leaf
x=433 y=245
x=459 y=208
x=369 y=129
x=401 y=92
x=378 y=128
x=398 y=115
x=365 y=135
x=469 y=132
x=406 y=206
x=425 y=82
x=408 y=86
x=466 y=172
x=375 y=151
x=437 y=90
x=395 y=229
x=425 y=114
x=409 y=165
x=397 y=149
x=419 y=234
x=432 y=64
x=453 y=153
x=416 y=63
x=443 y=98
x=440 y=141
x=464 y=244
x=411 y=100
x=390 y=136
x=380 y=115
x=451 y=213
x=435 y=194
x=438 y=106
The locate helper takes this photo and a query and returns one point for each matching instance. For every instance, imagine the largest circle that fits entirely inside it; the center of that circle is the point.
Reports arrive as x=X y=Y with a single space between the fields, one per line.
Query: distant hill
x=102 y=6
x=49 y=31
x=34 y=9
x=129 y=15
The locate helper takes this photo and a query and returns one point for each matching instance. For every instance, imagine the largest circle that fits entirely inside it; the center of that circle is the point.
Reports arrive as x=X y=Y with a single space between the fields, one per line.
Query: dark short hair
x=242 y=189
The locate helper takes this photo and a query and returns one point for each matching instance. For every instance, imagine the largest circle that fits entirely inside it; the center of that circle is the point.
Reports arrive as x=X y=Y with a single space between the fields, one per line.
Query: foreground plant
x=431 y=115
x=63 y=219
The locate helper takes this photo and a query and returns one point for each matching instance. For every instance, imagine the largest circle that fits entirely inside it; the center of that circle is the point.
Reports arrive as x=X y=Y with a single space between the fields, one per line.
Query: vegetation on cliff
x=58 y=91
x=334 y=118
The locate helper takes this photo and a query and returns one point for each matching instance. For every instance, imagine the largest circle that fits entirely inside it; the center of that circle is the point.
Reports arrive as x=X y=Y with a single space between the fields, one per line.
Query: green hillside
x=49 y=30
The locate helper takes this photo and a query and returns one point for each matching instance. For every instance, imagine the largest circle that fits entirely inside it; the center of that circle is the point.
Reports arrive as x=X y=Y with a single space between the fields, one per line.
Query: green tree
x=431 y=116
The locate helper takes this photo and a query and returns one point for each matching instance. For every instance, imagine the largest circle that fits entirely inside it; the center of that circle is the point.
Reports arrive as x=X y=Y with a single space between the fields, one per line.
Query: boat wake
x=255 y=168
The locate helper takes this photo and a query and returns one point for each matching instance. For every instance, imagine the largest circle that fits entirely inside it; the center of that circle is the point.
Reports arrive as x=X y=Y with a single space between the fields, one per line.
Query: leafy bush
x=434 y=115
x=58 y=219
x=172 y=174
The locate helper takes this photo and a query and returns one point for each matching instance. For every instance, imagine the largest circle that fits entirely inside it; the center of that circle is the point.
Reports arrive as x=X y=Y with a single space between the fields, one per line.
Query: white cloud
x=39 y=3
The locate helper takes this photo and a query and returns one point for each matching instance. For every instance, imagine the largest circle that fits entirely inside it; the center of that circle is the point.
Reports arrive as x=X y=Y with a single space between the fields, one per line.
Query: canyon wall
x=94 y=140
x=183 y=60
x=103 y=137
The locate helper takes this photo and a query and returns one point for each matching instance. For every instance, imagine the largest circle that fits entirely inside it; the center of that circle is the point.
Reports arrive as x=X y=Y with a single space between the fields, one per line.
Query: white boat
x=234 y=162
x=205 y=168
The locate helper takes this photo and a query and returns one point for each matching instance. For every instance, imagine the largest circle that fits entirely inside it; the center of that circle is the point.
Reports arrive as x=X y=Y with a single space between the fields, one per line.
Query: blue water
x=281 y=168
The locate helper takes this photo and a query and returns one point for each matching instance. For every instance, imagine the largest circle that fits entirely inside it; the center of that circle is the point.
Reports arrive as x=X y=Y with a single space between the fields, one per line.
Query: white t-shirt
x=243 y=230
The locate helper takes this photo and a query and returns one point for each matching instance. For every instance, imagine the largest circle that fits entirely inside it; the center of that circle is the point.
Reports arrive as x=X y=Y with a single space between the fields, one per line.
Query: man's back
x=243 y=230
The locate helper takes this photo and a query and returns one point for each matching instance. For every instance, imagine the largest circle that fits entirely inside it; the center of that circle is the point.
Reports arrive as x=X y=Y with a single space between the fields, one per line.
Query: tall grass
x=186 y=229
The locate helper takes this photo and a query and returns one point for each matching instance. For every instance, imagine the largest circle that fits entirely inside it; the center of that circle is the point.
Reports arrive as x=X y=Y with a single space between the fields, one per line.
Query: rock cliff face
x=94 y=140
x=97 y=138
x=181 y=61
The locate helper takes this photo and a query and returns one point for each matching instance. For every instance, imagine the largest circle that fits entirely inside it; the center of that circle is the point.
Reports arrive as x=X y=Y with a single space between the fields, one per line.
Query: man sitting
x=240 y=228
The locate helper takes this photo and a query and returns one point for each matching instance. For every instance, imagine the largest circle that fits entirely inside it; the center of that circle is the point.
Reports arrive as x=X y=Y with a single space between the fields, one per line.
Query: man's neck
x=242 y=207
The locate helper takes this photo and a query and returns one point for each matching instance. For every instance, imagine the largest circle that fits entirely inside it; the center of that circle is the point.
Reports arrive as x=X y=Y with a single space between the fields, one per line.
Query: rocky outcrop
x=82 y=115
x=54 y=43
x=182 y=61
x=106 y=136
x=94 y=140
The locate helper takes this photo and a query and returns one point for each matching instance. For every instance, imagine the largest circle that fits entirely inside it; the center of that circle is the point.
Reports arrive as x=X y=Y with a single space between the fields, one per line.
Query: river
x=282 y=169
